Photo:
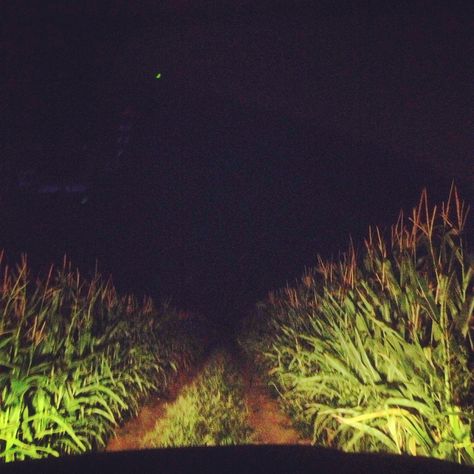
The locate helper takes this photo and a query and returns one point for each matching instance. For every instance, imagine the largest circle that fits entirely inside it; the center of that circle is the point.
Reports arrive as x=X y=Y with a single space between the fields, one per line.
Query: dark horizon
x=271 y=137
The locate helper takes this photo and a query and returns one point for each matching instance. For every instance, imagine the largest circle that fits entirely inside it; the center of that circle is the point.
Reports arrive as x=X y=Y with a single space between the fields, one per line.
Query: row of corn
x=375 y=352
x=76 y=358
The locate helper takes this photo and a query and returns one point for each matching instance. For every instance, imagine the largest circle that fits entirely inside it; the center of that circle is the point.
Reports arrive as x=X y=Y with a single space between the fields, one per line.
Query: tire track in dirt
x=132 y=433
x=270 y=424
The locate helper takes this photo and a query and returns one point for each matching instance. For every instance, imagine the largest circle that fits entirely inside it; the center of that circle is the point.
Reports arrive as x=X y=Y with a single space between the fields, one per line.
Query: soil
x=270 y=424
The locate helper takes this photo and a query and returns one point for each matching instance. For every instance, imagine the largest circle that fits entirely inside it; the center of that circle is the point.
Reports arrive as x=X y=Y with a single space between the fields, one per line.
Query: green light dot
x=158 y=76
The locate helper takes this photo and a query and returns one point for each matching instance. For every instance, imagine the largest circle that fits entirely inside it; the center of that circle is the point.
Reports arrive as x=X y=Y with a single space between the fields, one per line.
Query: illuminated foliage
x=76 y=358
x=374 y=353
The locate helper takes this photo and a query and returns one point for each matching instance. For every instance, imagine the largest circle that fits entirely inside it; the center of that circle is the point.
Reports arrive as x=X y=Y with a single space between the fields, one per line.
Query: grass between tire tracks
x=209 y=412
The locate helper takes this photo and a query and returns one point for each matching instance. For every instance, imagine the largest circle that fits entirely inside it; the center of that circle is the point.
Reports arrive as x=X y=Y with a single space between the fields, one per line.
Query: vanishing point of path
x=270 y=424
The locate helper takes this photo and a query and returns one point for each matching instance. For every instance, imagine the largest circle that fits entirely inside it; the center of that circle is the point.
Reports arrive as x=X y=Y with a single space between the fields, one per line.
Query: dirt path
x=270 y=424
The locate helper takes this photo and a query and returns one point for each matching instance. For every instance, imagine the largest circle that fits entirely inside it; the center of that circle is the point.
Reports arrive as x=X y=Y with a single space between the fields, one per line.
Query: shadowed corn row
x=76 y=358
x=374 y=352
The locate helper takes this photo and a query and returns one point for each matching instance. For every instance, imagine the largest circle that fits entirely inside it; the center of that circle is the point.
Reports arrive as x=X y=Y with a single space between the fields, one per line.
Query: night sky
x=276 y=130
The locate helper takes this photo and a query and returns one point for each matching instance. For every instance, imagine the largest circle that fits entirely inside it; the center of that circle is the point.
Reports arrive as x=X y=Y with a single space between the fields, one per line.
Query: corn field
x=374 y=351
x=76 y=358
